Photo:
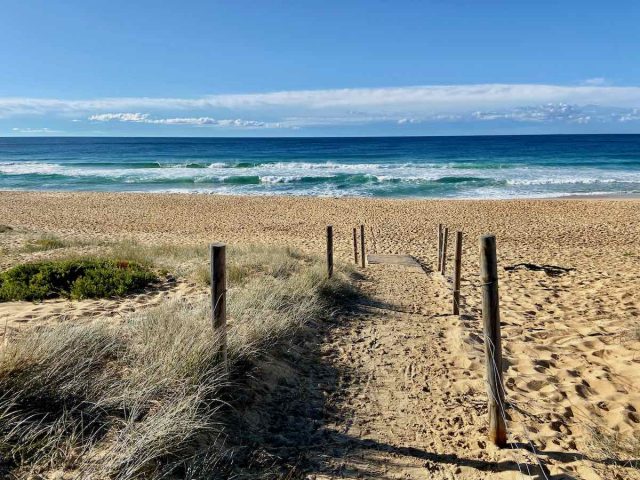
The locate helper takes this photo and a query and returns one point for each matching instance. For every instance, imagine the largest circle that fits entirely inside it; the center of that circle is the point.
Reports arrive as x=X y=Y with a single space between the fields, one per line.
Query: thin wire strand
x=501 y=405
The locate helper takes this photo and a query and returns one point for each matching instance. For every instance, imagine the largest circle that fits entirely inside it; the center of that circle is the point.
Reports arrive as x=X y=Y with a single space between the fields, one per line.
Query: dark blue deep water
x=426 y=167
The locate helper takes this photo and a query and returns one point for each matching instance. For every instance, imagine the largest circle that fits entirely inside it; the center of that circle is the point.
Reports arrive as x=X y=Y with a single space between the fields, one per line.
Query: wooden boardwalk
x=406 y=260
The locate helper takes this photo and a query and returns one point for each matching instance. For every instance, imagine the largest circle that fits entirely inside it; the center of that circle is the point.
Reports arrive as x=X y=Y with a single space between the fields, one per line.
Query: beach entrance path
x=404 y=406
x=406 y=260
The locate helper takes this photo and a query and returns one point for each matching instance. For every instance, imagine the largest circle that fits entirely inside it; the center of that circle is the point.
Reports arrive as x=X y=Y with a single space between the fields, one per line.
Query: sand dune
x=571 y=342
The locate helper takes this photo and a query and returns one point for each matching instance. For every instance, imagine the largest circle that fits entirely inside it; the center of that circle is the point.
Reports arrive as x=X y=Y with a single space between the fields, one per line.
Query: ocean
x=396 y=167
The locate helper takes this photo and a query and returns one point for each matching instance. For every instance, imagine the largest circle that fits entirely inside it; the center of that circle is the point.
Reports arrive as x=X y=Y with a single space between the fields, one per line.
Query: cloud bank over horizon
x=547 y=108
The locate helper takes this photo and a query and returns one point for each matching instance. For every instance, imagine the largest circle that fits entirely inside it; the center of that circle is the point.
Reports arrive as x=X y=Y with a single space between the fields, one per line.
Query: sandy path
x=411 y=400
x=406 y=410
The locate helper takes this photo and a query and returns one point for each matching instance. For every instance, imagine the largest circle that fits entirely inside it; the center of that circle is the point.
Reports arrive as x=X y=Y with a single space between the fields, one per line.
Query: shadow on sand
x=297 y=422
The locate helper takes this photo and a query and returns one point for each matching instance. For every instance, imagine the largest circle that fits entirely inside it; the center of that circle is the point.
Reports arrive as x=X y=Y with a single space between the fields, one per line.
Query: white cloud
x=198 y=121
x=562 y=113
x=120 y=117
x=35 y=131
x=402 y=106
x=542 y=113
x=631 y=116
x=596 y=81
x=423 y=99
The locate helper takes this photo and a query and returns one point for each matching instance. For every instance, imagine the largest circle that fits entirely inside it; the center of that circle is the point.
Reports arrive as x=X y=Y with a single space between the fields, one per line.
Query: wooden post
x=363 y=259
x=355 y=246
x=445 y=239
x=329 y=251
x=492 y=340
x=217 y=253
x=457 y=272
x=439 y=247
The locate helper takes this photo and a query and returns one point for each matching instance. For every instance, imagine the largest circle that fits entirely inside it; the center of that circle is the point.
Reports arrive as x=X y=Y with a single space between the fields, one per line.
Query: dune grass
x=191 y=262
x=148 y=397
x=623 y=450
x=44 y=243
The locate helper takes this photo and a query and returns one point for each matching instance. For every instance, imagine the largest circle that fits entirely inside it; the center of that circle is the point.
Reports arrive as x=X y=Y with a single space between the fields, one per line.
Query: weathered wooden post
x=445 y=239
x=217 y=254
x=329 y=251
x=439 y=247
x=363 y=260
x=355 y=246
x=492 y=341
x=457 y=273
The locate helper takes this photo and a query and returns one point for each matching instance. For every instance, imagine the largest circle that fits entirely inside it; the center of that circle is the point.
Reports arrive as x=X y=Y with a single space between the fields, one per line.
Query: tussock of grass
x=168 y=255
x=623 y=450
x=76 y=279
x=49 y=381
x=46 y=242
x=192 y=262
x=148 y=397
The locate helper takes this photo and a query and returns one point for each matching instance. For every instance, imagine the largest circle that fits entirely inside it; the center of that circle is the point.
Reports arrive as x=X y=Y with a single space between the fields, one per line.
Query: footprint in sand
x=584 y=389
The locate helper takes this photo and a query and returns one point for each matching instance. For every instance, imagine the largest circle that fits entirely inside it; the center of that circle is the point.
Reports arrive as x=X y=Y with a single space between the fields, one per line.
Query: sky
x=318 y=68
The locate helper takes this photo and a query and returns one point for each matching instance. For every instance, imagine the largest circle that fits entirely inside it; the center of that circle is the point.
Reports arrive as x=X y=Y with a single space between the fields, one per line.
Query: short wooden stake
x=363 y=259
x=439 y=247
x=329 y=251
x=355 y=245
x=457 y=273
x=217 y=254
x=445 y=239
x=492 y=340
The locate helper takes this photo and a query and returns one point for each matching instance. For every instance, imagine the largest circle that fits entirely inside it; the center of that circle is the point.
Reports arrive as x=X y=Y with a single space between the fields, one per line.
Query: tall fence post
x=457 y=273
x=445 y=239
x=363 y=259
x=355 y=246
x=217 y=254
x=329 y=251
x=492 y=340
x=439 y=247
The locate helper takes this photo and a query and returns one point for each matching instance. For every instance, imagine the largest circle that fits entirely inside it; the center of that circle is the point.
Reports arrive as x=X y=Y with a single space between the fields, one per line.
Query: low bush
x=75 y=279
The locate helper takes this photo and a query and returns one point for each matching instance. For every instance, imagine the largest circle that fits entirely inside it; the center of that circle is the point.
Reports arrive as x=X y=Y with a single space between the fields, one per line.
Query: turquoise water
x=422 y=167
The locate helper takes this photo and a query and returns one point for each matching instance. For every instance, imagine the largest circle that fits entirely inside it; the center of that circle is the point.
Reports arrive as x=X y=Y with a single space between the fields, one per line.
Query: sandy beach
x=571 y=342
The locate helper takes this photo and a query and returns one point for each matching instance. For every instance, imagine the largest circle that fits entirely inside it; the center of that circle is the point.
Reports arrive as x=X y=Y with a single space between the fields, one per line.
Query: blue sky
x=276 y=68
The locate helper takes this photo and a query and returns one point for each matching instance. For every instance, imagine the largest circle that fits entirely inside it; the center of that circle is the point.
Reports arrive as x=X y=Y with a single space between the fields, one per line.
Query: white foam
x=516 y=181
x=280 y=179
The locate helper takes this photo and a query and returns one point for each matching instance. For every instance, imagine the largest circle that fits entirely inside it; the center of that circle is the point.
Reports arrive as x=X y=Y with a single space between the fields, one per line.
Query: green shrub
x=76 y=279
